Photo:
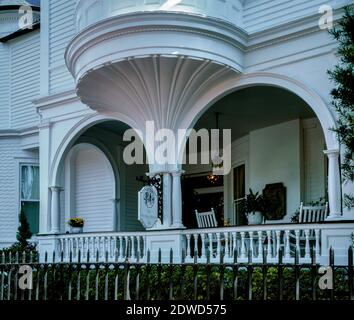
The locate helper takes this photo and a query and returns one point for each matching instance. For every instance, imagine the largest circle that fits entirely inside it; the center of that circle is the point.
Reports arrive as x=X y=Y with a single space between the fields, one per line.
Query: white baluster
x=210 y=238
x=297 y=241
x=260 y=244
x=61 y=242
x=243 y=246
x=218 y=245
x=317 y=245
x=227 y=247
x=133 y=250
x=121 y=248
x=307 y=244
x=189 y=252
x=234 y=243
x=277 y=232
x=287 y=245
x=251 y=243
x=269 y=245
x=203 y=249
x=195 y=251
x=138 y=241
x=126 y=249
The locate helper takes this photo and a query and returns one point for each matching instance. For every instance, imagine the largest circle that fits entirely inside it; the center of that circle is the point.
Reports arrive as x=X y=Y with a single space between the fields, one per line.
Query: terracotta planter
x=255 y=218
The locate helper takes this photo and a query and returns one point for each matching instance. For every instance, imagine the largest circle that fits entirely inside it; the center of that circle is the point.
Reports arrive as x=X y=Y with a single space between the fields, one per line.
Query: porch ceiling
x=254 y=108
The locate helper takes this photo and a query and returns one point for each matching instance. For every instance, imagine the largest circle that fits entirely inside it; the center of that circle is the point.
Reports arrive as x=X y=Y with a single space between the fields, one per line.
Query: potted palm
x=254 y=208
x=76 y=225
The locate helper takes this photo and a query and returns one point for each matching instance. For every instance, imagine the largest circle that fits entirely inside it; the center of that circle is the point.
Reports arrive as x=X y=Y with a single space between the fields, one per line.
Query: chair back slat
x=206 y=219
x=310 y=214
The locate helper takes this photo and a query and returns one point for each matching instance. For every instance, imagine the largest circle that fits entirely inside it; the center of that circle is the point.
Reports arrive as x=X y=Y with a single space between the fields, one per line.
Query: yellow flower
x=76 y=222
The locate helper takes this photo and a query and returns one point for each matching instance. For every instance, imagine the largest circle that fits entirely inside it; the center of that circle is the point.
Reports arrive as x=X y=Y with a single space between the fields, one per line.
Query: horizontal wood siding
x=314 y=160
x=25 y=80
x=261 y=14
x=61 y=31
x=4 y=86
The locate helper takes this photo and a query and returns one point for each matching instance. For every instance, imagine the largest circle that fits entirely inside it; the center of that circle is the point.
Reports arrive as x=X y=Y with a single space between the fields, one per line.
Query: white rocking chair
x=206 y=219
x=309 y=214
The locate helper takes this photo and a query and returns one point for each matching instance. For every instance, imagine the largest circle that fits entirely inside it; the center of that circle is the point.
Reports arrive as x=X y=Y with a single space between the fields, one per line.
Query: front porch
x=249 y=244
x=277 y=140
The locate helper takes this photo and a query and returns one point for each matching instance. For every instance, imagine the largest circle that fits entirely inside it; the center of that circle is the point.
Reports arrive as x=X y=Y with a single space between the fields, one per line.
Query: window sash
x=29 y=183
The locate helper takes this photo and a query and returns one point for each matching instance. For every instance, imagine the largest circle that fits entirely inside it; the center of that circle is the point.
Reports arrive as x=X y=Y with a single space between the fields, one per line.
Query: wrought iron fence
x=23 y=277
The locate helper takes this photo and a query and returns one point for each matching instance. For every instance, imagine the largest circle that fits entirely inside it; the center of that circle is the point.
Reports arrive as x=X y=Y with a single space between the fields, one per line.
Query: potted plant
x=254 y=208
x=76 y=225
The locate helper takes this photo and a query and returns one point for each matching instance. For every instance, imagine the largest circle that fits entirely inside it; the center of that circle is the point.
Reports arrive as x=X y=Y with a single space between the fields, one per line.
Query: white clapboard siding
x=94 y=190
x=314 y=160
x=61 y=31
x=25 y=80
x=4 y=86
x=260 y=14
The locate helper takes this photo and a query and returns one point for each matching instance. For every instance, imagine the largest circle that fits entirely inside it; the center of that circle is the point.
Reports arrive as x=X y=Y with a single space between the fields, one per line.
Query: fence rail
x=136 y=280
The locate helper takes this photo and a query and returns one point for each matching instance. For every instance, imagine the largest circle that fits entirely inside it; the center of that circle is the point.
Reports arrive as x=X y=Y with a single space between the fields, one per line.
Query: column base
x=178 y=226
x=335 y=217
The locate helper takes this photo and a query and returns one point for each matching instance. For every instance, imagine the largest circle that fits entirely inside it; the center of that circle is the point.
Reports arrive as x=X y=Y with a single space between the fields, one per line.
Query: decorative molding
x=55 y=100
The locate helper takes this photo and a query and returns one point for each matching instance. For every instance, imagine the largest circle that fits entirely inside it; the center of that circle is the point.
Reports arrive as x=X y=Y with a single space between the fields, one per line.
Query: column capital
x=56 y=189
x=332 y=153
x=177 y=173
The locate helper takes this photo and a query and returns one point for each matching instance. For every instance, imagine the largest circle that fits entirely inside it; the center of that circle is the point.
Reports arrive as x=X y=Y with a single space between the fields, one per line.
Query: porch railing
x=102 y=246
x=253 y=242
x=307 y=242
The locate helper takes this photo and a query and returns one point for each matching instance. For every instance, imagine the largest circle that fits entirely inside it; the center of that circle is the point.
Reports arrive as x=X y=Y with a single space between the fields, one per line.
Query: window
x=29 y=195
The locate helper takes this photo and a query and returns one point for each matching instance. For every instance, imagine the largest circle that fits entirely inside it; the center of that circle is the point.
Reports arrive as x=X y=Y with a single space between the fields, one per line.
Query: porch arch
x=301 y=90
x=312 y=98
x=74 y=133
x=62 y=151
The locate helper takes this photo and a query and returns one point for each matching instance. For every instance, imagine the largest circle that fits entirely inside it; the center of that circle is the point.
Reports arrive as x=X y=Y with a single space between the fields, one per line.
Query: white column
x=55 y=209
x=116 y=220
x=334 y=185
x=177 y=200
x=44 y=158
x=167 y=200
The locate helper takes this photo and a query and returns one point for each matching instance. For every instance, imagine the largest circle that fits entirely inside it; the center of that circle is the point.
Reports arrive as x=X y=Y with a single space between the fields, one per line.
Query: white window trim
x=18 y=162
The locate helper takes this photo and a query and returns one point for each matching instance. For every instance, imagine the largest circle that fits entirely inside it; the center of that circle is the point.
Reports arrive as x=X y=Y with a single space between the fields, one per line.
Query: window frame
x=23 y=163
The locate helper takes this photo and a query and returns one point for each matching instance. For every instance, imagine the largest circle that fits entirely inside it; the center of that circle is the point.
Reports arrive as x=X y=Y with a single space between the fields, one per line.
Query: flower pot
x=254 y=218
x=76 y=229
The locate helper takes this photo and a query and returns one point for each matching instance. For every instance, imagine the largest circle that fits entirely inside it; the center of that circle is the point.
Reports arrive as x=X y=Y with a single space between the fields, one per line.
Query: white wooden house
x=88 y=70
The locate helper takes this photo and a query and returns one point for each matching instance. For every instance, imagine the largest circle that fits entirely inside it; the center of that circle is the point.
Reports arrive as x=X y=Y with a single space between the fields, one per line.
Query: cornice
x=51 y=101
x=140 y=22
x=8 y=133
x=288 y=31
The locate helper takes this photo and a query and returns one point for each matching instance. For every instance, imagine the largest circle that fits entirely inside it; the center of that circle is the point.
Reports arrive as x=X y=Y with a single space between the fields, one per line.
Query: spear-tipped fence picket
x=57 y=279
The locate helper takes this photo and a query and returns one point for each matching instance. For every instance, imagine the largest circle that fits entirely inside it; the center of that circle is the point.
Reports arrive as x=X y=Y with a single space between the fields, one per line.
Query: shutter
x=94 y=190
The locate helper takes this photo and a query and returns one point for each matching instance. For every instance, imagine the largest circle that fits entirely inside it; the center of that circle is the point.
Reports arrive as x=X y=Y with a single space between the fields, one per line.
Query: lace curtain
x=30 y=183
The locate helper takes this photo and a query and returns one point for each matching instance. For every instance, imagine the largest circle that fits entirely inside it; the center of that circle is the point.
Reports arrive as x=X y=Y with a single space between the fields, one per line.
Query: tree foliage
x=23 y=232
x=343 y=95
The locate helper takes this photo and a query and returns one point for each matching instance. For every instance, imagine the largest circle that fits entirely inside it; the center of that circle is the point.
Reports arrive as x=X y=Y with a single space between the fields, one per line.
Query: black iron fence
x=23 y=277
